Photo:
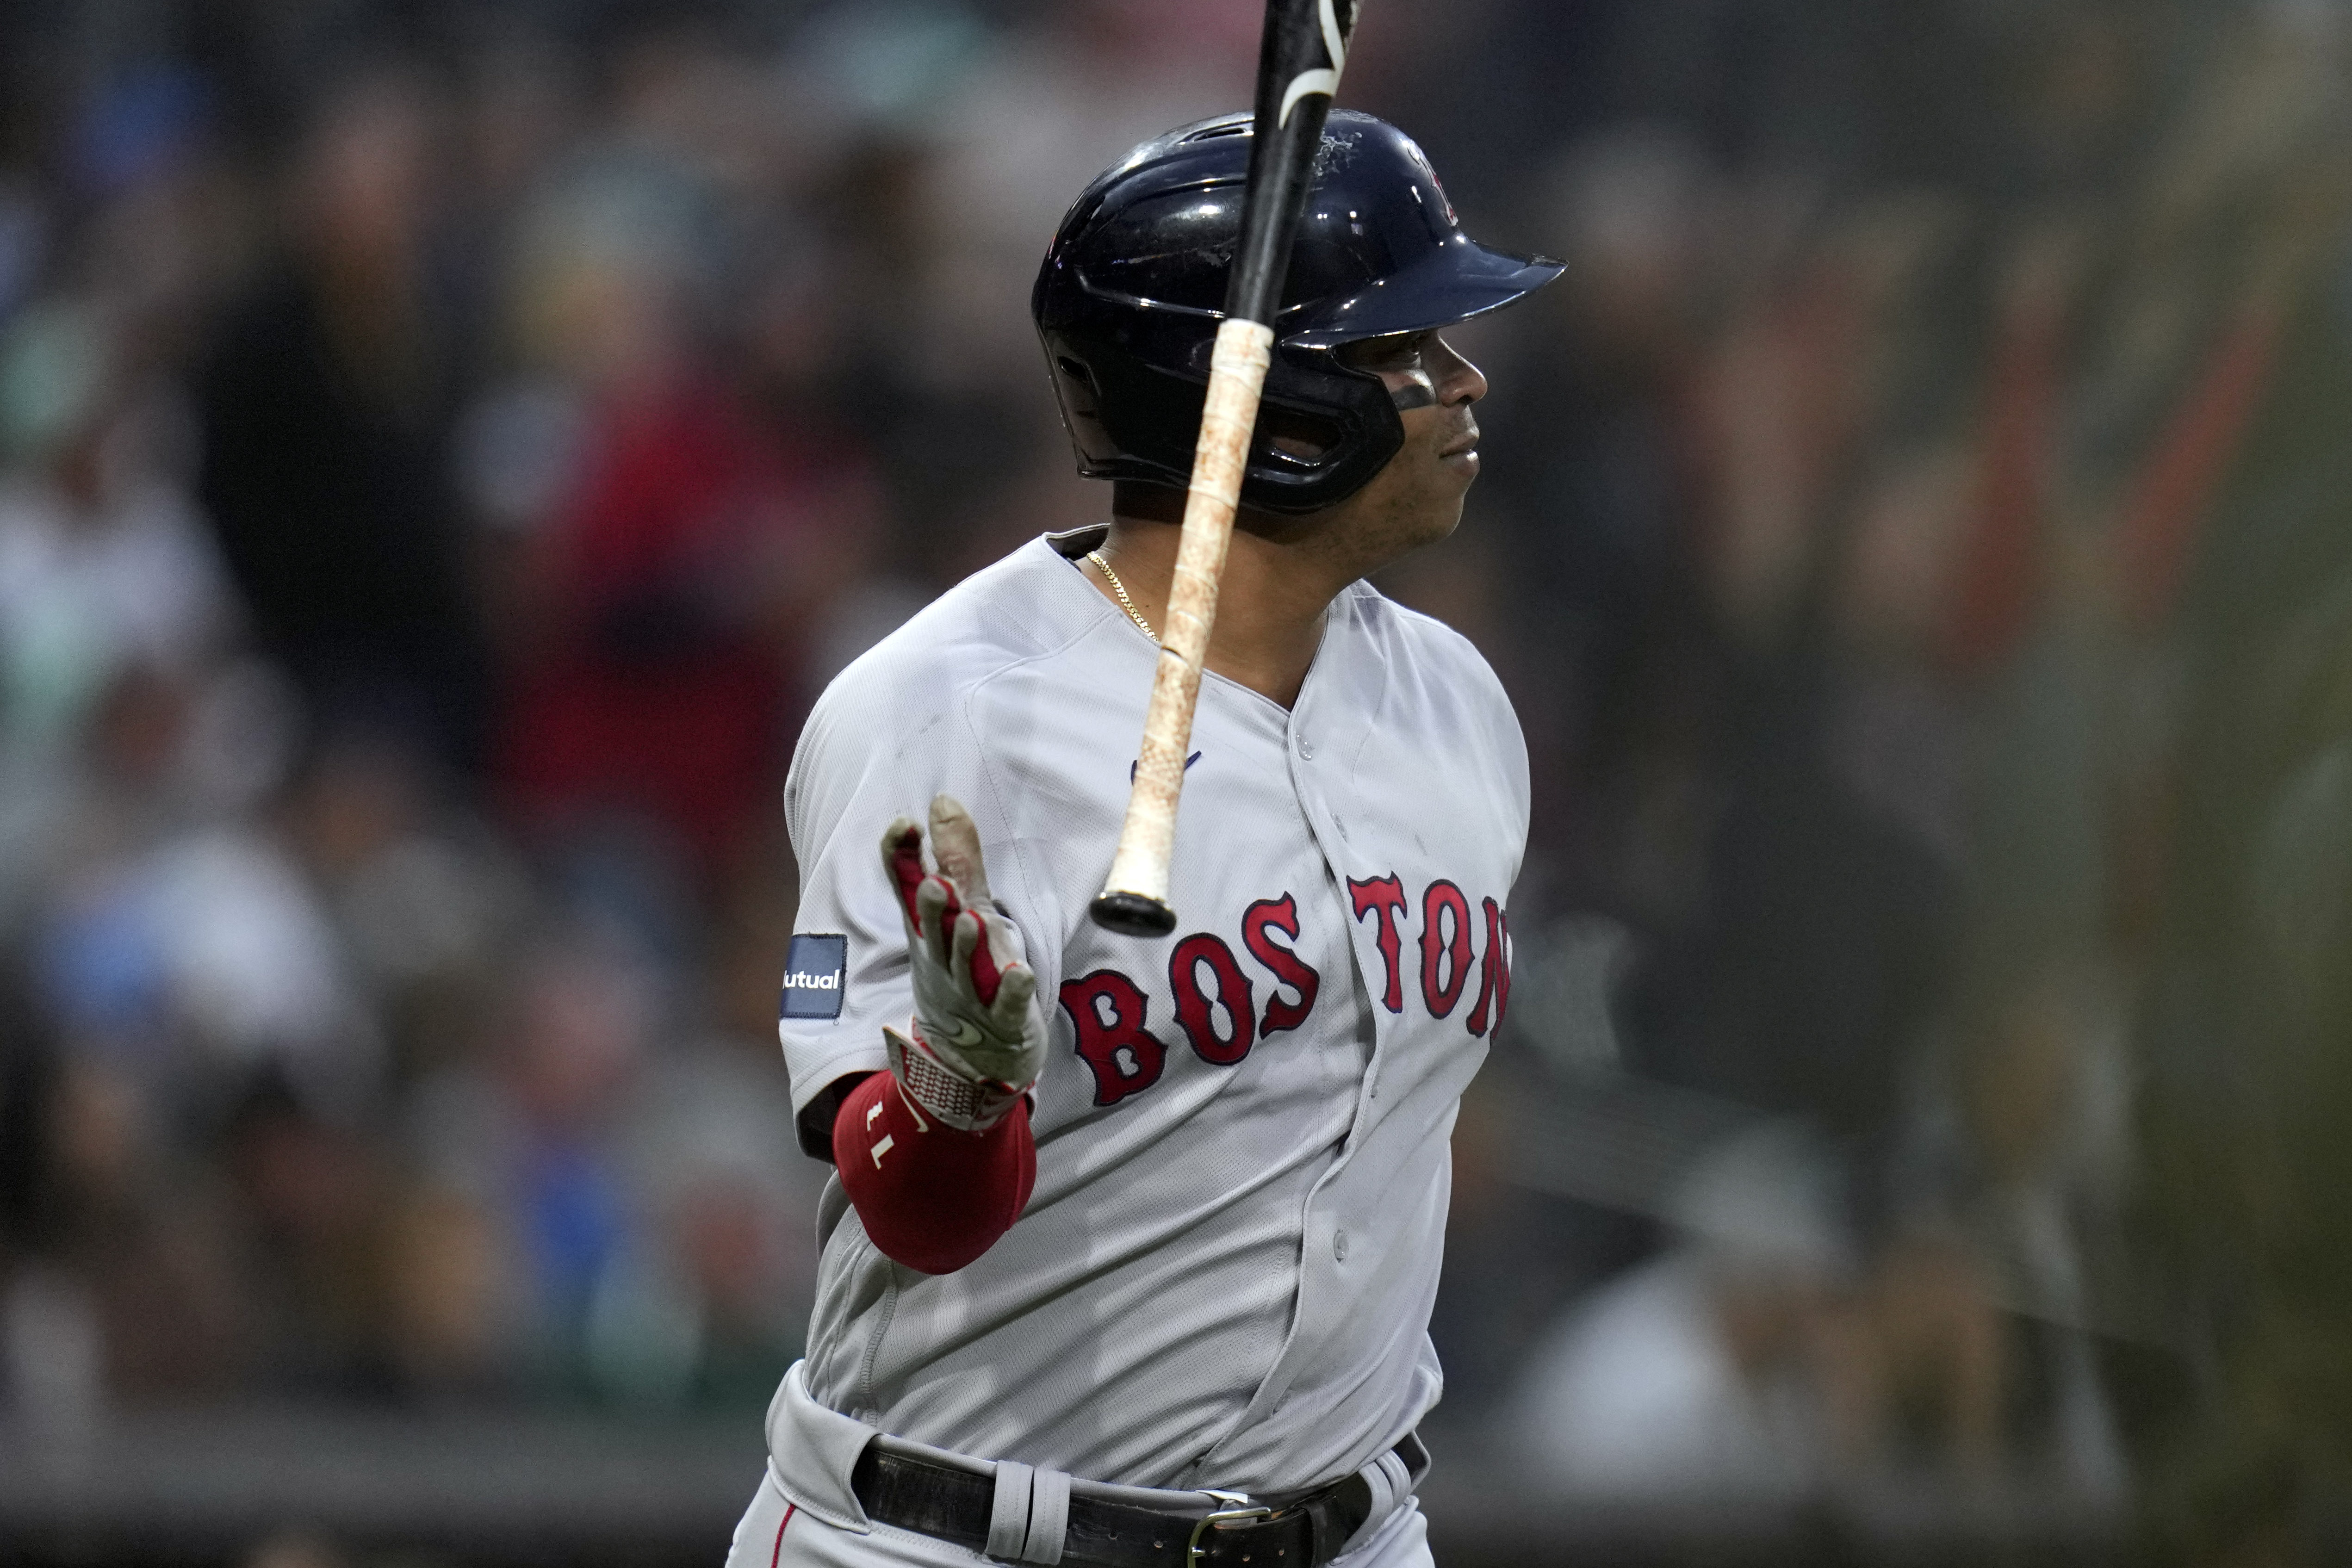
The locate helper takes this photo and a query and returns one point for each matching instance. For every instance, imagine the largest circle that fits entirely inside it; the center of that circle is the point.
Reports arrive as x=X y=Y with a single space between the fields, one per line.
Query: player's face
x=1417 y=498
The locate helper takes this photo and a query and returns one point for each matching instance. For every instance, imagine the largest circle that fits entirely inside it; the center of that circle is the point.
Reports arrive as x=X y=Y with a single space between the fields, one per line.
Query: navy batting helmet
x=1129 y=300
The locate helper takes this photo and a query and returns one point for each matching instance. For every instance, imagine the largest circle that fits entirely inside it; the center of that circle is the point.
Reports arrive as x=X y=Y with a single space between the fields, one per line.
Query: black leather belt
x=1300 y=1531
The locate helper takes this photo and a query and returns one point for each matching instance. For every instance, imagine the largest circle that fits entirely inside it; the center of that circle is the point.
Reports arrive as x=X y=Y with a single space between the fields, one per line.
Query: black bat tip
x=1132 y=915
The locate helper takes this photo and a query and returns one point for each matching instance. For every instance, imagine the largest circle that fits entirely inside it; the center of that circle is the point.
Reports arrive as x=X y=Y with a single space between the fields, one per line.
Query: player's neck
x=1270 y=602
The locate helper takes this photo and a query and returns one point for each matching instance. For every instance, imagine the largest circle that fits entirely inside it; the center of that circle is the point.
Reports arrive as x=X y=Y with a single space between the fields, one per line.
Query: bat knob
x=1132 y=915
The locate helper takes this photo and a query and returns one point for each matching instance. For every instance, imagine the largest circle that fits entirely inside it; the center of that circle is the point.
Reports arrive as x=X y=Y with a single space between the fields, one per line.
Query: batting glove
x=977 y=1041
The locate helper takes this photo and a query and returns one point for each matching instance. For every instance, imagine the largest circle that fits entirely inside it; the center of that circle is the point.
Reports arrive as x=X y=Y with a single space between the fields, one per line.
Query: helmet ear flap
x=1323 y=431
x=1286 y=435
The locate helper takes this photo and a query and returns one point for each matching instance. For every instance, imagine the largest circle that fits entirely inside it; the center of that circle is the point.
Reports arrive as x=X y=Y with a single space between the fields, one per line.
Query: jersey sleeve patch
x=813 y=975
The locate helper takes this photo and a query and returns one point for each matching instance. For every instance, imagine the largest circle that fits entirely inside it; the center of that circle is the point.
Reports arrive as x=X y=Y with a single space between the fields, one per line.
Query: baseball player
x=1131 y=1251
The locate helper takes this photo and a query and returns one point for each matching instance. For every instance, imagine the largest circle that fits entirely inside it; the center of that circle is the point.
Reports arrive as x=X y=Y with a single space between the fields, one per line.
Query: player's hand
x=978 y=1041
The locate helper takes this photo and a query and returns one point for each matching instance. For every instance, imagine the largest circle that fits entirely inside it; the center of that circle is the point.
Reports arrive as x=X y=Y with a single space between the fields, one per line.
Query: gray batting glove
x=977 y=1038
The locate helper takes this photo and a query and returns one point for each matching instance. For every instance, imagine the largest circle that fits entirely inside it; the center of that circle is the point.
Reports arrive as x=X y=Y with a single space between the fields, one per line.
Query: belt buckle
x=1237 y=1506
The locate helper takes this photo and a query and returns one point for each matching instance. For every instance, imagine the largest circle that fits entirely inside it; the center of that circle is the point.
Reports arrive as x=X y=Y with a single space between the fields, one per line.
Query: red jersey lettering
x=1443 y=906
x=1109 y=1011
x=1196 y=1009
x=1383 y=897
x=1259 y=921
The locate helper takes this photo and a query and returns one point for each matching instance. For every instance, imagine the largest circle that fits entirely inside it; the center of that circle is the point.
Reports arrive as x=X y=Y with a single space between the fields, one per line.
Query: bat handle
x=1134 y=899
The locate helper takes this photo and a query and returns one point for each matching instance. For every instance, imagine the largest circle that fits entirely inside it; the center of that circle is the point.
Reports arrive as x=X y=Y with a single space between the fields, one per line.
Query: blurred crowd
x=444 y=450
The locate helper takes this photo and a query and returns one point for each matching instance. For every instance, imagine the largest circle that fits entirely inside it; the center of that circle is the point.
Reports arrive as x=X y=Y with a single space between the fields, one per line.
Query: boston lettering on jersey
x=1111 y=1012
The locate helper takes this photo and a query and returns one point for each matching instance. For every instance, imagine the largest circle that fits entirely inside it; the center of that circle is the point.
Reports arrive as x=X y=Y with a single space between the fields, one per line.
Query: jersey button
x=1305 y=750
x=1340 y=1246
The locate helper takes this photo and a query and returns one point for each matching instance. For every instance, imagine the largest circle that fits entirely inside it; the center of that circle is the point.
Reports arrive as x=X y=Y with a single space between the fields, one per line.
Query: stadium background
x=446 y=447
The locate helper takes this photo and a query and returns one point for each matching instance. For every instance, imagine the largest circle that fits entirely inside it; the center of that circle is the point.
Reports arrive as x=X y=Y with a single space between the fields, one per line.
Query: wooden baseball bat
x=1298 y=71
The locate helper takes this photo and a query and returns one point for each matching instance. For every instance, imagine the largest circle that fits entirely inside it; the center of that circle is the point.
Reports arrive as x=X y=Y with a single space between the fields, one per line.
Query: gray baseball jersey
x=1224 y=1276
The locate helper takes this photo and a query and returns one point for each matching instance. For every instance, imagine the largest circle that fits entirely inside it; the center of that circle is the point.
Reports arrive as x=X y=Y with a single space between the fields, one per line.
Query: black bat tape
x=1298 y=69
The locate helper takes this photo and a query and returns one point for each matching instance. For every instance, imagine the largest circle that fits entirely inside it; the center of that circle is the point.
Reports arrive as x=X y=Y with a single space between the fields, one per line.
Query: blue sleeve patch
x=813 y=976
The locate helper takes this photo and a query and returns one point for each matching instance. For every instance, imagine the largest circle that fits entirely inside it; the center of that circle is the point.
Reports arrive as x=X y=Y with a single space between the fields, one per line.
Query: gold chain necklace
x=1120 y=590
